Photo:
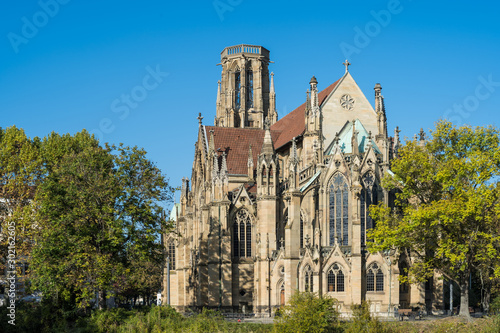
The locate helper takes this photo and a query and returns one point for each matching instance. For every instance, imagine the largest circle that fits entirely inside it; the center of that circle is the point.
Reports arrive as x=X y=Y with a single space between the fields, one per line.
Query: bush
x=362 y=320
x=308 y=313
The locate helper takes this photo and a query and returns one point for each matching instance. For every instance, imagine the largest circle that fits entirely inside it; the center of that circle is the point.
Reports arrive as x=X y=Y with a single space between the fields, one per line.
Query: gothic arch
x=375 y=278
x=280 y=292
x=307 y=274
x=338 y=212
x=336 y=278
x=369 y=196
x=242 y=233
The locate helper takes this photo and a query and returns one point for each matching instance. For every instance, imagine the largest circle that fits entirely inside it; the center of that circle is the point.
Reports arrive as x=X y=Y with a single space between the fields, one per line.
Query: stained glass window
x=242 y=234
x=339 y=210
x=249 y=89
x=301 y=231
x=237 y=88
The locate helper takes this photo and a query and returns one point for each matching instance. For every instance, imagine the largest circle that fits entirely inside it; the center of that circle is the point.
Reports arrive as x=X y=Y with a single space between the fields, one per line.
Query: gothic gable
x=345 y=103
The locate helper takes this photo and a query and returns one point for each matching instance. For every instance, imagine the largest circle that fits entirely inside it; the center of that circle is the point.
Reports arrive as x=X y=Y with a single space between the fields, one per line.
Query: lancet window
x=242 y=234
x=171 y=253
x=369 y=196
x=336 y=279
x=308 y=283
x=249 y=89
x=237 y=88
x=339 y=210
x=374 y=278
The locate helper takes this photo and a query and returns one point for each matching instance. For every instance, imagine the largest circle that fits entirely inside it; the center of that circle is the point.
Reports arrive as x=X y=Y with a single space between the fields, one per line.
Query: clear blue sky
x=66 y=67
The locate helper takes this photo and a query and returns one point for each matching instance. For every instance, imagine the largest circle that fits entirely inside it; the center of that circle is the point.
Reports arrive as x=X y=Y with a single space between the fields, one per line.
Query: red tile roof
x=236 y=141
x=293 y=124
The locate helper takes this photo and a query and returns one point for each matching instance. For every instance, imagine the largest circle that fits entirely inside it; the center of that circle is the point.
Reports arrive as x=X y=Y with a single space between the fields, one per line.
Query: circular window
x=347 y=102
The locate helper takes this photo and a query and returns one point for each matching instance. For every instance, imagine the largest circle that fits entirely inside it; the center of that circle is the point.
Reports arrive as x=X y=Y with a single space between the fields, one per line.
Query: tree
x=78 y=247
x=306 y=312
x=99 y=211
x=20 y=174
x=447 y=194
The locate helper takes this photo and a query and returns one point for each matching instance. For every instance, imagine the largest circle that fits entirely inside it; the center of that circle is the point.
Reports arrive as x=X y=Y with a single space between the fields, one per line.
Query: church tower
x=245 y=94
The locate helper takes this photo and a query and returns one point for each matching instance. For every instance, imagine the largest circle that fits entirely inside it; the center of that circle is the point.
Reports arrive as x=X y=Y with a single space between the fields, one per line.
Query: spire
x=218 y=93
x=380 y=110
x=272 y=83
x=294 y=158
x=223 y=168
x=272 y=102
x=215 y=169
x=396 y=141
x=308 y=103
x=314 y=95
x=267 y=145
x=211 y=143
x=250 y=163
x=354 y=139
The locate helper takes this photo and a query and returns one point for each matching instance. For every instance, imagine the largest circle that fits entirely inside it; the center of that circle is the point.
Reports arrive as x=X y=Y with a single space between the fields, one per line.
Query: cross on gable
x=346 y=64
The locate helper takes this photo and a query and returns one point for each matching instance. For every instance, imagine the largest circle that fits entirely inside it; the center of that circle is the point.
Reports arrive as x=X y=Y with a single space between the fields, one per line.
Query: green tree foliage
x=448 y=205
x=20 y=174
x=306 y=312
x=98 y=212
x=362 y=320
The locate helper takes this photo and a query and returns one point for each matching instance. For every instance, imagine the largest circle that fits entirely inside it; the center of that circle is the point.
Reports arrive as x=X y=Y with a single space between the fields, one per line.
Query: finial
x=346 y=64
x=267 y=123
x=200 y=118
x=422 y=134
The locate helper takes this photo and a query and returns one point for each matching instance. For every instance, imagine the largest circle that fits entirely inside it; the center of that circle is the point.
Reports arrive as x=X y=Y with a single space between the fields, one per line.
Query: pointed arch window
x=374 y=278
x=237 y=88
x=308 y=283
x=336 y=281
x=171 y=253
x=301 y=229
x=369 y=196
x=242 y=234
x=249 y=88
x=339 y=210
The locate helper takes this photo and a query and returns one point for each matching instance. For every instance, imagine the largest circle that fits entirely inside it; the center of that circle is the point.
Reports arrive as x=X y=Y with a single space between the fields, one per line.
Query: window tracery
x=242 y=234
x=336 y=281
x=374 y=278
x=339 y=210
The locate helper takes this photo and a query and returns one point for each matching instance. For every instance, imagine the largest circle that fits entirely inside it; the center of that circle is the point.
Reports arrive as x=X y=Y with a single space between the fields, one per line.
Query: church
x=279 y=205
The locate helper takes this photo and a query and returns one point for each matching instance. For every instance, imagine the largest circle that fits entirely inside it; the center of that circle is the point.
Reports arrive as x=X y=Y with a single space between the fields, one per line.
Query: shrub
x=308 y=313
x=363 y=321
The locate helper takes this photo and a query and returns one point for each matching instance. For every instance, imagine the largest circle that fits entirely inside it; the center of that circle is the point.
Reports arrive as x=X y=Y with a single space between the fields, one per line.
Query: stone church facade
x=275 y=206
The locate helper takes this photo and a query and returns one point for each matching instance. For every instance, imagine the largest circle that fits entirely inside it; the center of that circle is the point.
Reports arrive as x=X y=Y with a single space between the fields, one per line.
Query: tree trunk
x=464 y=297
x=102 y=300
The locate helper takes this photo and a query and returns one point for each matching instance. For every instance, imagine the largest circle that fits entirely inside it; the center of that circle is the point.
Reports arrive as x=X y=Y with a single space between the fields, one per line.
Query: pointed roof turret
x=354 y=139
x=215 y=168
x=250 y=157
x=223 y=168
x=272 y=83
x=267 y=145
